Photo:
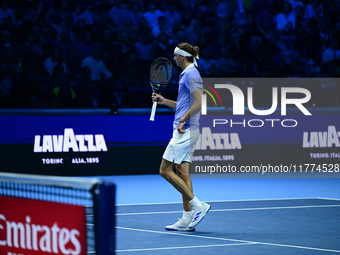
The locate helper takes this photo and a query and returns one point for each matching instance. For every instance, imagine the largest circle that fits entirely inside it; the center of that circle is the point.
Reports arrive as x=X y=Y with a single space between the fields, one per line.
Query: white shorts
x=181 y=146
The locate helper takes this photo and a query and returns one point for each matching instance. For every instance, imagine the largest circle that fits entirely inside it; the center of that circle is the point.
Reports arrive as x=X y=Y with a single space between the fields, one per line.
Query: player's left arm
x=194 y=109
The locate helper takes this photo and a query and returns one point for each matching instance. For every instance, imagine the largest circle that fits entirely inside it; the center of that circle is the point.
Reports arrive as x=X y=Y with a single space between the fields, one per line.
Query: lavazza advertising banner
x=272 y=126
x=82 y=145
x=246 y=125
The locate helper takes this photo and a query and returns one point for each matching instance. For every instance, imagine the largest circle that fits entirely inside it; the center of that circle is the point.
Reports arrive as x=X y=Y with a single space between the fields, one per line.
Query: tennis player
x=185 y=135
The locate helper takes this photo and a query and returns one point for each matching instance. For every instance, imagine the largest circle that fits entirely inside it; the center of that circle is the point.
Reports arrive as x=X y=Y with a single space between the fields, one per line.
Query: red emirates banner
x=32 y=227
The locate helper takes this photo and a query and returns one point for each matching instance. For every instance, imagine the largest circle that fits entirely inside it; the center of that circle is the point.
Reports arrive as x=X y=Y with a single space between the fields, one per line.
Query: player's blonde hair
x=193 y=50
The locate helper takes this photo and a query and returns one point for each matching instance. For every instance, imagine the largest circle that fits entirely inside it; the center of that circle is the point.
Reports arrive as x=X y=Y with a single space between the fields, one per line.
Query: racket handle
x=153 y=111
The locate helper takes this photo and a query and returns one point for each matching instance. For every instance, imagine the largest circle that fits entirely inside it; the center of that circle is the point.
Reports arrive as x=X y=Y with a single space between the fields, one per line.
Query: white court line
x=185 y=247
x=237 y=209
x=324 y=198
x=179 y=234
x=234 y=240
x=220 y=201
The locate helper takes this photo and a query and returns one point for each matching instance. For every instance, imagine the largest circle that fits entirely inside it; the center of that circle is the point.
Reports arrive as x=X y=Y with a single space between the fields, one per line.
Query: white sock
x=195 y=203
x=186 y=216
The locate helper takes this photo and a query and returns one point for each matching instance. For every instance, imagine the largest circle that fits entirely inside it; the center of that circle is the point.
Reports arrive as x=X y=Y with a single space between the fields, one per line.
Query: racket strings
x=160 y=74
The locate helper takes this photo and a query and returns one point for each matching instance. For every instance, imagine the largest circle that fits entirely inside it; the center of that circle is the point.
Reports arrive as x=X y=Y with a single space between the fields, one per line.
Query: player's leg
x=184 y=174
x=183 y=144
x=199 y=209
x=166 y=171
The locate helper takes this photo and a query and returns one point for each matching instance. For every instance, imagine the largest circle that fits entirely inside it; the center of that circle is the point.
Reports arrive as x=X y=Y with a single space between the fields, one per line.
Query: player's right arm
x=163 y=101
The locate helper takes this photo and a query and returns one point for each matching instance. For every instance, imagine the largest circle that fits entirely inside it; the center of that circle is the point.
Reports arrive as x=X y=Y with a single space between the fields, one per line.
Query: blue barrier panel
x=82 y=145
x=131 y=144
x=104 y=213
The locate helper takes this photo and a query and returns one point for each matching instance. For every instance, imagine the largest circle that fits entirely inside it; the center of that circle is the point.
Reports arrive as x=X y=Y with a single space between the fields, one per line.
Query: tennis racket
x=160 y=75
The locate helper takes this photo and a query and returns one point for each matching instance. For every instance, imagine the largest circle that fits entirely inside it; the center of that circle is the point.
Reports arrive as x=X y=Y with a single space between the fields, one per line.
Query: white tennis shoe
x=199 y=215
x=180 y=225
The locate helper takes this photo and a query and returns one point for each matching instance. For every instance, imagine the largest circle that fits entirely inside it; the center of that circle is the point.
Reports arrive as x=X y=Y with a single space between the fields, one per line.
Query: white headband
x=186 y=54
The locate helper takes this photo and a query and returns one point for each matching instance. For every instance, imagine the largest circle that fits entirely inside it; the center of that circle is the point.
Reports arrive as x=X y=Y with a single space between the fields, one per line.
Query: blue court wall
x=87 y=145
x=83 y=145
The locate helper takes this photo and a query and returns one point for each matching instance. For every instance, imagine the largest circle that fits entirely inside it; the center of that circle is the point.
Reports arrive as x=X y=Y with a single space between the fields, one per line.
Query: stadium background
x=83 y=65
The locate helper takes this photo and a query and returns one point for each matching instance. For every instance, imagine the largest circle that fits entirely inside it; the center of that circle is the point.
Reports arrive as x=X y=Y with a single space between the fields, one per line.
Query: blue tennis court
x=248 y=216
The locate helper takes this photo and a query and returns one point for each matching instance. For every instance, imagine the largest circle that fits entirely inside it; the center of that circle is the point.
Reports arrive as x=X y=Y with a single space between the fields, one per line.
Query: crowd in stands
x=95 y=53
